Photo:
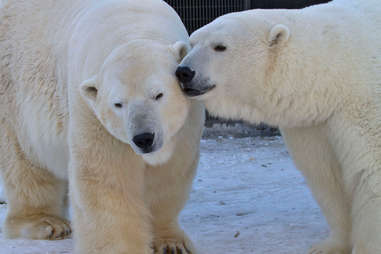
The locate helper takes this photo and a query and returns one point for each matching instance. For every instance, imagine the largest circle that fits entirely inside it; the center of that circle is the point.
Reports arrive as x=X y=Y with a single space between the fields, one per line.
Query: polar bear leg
x=366 y=220
x=314 y=157
x=109 y=213
x=109 y=219
x=35 y=196
x=166 y=206
x=170 y=238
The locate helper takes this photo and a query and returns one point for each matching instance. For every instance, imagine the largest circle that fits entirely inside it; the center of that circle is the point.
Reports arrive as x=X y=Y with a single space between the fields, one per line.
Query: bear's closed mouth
x=191 y=92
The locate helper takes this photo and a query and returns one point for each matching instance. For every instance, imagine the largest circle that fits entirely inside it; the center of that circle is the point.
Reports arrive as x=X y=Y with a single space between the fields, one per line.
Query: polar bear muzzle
x=191 y=86
x=144 y=141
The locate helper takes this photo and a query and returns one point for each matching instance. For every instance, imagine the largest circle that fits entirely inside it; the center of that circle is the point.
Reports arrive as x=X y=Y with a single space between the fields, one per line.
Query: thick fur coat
x=78 y=80
x=315 y=73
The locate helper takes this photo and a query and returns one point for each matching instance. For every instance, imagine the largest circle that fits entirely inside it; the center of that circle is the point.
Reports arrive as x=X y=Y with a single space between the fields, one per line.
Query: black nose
x=185 y=74
x=144 y=141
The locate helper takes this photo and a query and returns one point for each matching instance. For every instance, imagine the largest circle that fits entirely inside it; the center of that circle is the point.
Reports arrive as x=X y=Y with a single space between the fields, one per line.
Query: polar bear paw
x=329 y=247
x=171 y=247
x=46 y=227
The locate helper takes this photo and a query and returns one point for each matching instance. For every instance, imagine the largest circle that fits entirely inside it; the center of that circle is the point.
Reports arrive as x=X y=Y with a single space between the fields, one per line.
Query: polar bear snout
x=144 y=141
x=190 y=85
x=185 y=74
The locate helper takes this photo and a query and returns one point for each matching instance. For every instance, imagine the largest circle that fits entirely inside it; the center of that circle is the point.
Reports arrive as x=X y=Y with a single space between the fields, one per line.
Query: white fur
x=54 y=129
x=315 y=73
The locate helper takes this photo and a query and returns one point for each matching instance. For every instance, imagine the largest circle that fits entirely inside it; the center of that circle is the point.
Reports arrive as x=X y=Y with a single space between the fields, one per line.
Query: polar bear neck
x=319 y=73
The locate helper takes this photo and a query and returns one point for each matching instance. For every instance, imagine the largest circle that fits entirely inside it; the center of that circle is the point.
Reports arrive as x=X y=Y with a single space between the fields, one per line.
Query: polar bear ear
x=279 y=34
x=180 y=49
x=89 y=90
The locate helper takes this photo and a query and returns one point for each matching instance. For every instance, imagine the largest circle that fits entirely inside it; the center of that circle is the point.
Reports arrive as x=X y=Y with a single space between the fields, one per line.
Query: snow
x=247 y=198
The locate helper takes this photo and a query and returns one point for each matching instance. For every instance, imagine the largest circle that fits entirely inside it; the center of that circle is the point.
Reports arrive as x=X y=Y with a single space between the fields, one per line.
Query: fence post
x=247 y=4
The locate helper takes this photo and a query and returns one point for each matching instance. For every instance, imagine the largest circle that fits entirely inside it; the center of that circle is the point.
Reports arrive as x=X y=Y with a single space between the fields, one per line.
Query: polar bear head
x=226 y=67
x=249 y=65
x=137 y=98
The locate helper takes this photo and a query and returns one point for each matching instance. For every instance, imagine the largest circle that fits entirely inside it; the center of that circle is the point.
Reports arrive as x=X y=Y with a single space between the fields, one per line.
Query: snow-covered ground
x=247 y=198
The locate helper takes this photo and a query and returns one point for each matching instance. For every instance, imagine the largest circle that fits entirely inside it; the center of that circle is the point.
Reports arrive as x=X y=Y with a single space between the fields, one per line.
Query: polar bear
x=315 y=73
x=89 y=96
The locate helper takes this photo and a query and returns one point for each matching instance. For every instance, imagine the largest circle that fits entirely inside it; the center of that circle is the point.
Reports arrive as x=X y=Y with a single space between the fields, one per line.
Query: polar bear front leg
x=367 y=217
x=35 y=196
x=106 y=190
x=168 y=193
x=314 y=157
x=172 y=239
x=109 y=222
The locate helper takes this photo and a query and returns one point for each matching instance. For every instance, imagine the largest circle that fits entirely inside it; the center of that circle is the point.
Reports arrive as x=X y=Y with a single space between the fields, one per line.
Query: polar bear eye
x=159 y=96
x=118 y=105
x=220 y=48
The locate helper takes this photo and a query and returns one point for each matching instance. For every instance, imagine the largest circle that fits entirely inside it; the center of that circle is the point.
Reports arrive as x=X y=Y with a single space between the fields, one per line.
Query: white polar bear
x=88 y=93
x=315 y=73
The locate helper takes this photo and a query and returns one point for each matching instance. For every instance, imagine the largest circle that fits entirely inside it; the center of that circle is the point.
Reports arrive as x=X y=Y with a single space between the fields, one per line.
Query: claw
x=186 y=249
